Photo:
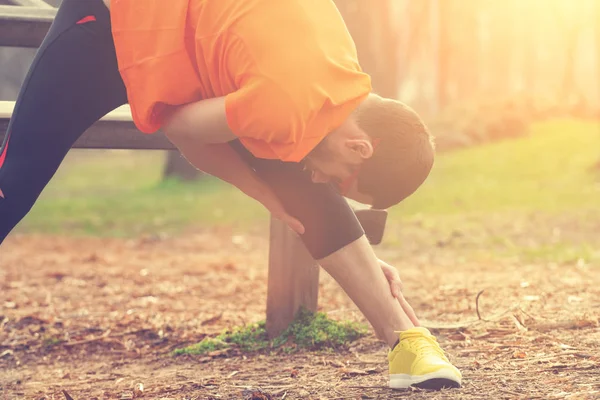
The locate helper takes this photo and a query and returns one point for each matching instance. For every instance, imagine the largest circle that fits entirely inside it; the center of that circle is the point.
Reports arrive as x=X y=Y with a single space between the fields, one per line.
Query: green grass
x=505 y=198
x=122 y=194
x=508 y=199
x=311 y=331
x=549 y=170
x=51 y=341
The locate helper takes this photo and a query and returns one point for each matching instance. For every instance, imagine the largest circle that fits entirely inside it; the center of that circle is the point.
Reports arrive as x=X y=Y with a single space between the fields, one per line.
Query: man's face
x=345 y=179
x=338 y=161
x=332 y=169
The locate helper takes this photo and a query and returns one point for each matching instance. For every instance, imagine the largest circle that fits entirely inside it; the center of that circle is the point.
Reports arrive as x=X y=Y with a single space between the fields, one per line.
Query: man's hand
x=393 y=277
x=268 y=199
x=222 y=161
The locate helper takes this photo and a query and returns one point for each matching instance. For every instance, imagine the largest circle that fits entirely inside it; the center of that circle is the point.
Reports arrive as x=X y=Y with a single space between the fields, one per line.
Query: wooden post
x=293 y=278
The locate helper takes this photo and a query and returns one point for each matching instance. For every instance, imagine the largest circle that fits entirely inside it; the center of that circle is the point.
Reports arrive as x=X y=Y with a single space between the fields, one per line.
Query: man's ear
x=362 y=147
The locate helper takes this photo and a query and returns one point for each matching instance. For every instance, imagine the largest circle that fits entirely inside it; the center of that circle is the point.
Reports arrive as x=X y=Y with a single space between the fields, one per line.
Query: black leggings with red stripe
x=73 y=82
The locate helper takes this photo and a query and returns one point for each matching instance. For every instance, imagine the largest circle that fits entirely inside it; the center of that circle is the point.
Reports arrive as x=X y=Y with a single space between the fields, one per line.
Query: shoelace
x=424 y=344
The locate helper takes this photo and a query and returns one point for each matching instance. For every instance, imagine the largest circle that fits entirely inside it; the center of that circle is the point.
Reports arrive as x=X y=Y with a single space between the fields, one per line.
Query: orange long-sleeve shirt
x=288 y=68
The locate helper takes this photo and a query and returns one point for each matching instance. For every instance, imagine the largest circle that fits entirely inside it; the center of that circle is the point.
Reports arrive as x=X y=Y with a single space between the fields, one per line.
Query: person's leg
x=334 y=237
x=72 y=82
x=329 y=222
x=356 y=268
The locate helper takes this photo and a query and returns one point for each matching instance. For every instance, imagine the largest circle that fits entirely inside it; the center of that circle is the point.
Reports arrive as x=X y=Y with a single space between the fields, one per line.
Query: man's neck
x=107 y=2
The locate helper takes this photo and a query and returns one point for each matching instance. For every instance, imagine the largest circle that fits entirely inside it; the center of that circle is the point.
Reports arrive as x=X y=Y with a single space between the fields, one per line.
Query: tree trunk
x=412 y=33
x=597 y=46
x=571 y=31
x=376 y=40
x=444 y=51
x=387 y=44
x=568 y=85
x=466 y=49
x=529 y=43
x=596 y=24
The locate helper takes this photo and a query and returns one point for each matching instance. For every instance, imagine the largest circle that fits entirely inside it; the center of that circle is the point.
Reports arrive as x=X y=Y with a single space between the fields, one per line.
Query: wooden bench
x=24 y=26
x=293 y=274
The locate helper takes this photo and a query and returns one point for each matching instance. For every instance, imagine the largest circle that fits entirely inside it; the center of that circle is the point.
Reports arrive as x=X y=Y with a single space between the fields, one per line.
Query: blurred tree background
x=477 y=70
x=481 y=70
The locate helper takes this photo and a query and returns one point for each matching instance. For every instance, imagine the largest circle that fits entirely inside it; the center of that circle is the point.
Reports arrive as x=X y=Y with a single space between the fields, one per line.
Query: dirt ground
x=97 y=318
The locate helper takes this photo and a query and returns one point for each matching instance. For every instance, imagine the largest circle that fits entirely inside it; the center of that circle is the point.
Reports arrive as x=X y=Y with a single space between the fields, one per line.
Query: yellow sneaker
x=419 y=361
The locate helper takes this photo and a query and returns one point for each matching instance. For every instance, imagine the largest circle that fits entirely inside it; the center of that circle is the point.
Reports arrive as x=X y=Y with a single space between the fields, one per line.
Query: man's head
x=379 y=156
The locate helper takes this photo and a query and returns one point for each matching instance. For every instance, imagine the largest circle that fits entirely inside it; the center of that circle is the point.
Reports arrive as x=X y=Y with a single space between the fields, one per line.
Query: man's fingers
x=277 y=210
x=294 y=224
x=399 y=283
x=394 y=290
x=408 y=310
x=298 y=227
x=393 y=278
x=396 y=287
x=391 y=273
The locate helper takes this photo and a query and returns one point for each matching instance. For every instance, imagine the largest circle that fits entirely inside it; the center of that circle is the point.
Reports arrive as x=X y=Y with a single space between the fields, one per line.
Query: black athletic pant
x=74 y=81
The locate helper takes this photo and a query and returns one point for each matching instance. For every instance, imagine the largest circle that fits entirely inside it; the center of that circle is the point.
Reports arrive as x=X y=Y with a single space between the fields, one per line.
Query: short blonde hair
x=404 y=154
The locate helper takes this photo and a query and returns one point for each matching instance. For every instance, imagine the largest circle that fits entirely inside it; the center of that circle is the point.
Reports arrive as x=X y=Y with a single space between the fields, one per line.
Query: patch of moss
x=316 y=330
x=205 y=346
x=308 y=331
x=51 y=341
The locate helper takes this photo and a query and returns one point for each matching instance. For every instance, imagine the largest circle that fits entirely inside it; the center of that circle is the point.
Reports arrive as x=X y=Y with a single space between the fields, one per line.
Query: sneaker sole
x=443 y=379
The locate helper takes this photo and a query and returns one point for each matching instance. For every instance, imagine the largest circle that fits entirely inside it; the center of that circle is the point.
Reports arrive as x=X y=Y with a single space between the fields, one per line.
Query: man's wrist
x=254 y=187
